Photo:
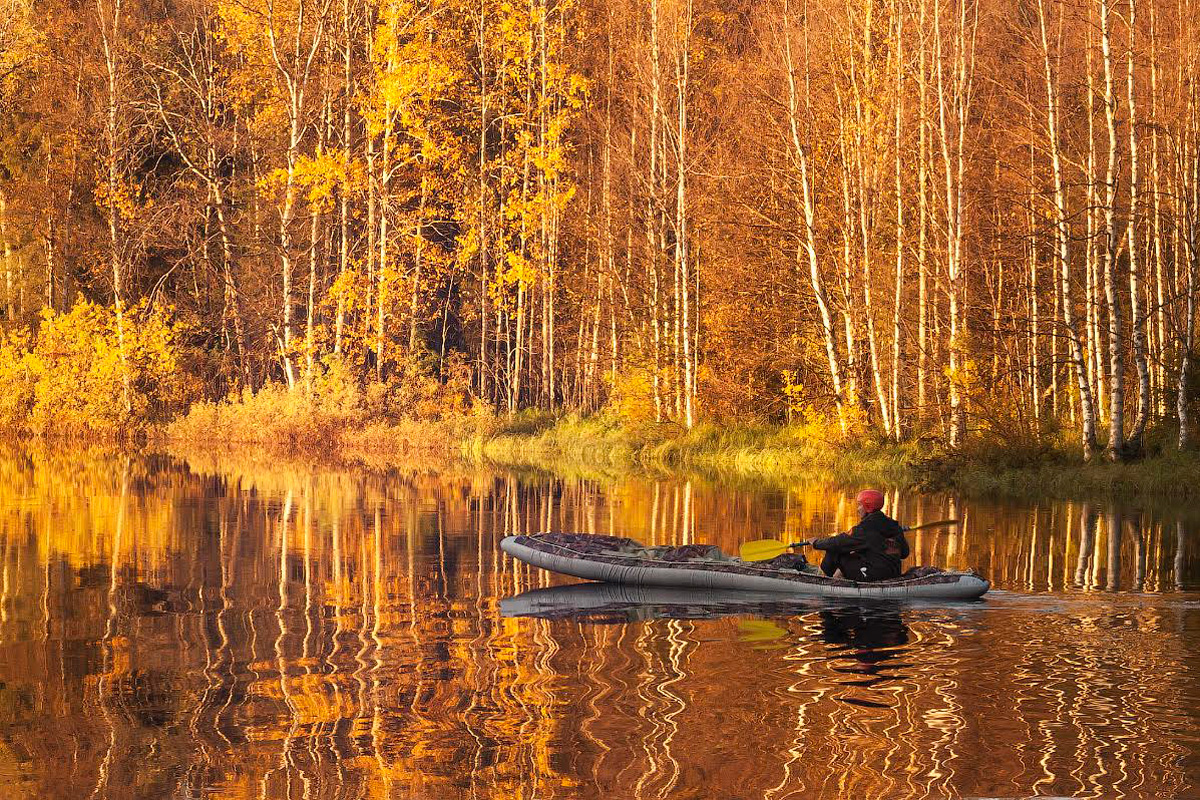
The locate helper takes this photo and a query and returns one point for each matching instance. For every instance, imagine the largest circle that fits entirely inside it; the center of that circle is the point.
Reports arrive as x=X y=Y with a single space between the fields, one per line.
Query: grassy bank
x=1166 y=475
x=345 y=428
x=735 y=451
x=778 y=454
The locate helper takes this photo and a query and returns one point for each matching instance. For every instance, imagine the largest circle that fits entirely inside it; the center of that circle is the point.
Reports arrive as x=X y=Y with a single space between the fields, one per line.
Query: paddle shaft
x=764 y=549
x=808 y=542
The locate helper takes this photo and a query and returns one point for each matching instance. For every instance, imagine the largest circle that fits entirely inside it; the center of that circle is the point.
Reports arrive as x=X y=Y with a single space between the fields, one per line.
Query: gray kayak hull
x=744 y=576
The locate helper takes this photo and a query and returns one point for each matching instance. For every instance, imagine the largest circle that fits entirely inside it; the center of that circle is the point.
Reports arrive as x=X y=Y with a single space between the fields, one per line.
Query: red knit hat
x=870 y=499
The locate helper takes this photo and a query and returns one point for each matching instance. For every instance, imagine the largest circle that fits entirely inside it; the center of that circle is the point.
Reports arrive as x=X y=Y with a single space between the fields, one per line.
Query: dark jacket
x=877 y=543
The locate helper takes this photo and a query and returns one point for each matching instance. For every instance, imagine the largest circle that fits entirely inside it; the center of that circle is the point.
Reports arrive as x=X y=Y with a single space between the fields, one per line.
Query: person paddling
x=872 y=550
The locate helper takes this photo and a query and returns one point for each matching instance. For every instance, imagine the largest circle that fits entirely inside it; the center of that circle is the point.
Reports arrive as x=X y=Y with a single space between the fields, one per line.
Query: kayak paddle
x=765 y=549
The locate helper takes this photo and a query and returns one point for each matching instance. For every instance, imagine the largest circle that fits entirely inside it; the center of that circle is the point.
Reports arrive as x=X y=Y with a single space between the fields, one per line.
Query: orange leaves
x=120 y=200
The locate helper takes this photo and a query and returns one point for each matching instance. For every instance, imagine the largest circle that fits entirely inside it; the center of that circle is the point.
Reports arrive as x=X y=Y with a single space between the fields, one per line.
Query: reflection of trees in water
x=324 y=634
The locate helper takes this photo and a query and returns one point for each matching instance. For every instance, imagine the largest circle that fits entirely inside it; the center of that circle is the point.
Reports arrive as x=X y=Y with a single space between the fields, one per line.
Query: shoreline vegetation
x=341 y=427
x=77 y=381
x=608 y=237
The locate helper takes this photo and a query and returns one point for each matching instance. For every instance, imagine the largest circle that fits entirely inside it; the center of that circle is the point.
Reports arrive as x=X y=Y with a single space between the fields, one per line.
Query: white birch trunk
x=110 y=29
x=1063 y=235
x=1116 y=355
x=10 y=305
x=808 y=237
x=681 y=216
x=1137 y=309
x=900 y=231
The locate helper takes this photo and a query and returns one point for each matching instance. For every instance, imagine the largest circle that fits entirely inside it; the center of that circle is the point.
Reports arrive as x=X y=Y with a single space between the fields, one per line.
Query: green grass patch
x=762 y=452
x=338 y=422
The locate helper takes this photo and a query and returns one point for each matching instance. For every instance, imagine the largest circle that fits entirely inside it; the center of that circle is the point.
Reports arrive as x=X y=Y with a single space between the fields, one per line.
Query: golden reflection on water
x=266 y=631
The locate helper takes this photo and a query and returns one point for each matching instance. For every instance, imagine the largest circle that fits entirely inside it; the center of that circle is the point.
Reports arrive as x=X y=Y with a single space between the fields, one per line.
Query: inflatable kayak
x=615 y=559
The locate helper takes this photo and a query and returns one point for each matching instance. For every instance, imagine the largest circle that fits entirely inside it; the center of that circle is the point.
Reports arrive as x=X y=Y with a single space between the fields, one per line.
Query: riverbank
x=778 y=454
x=284 y=426
x=775 y=454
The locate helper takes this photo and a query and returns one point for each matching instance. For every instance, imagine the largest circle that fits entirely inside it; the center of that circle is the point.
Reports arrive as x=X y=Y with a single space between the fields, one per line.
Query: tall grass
x=335 y=420
x=750 y=451
x=1165 y=475
x=339 y=422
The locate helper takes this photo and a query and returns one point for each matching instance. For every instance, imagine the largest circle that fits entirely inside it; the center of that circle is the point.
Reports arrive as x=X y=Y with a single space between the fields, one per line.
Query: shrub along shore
x=348 y=428
x=80 y=379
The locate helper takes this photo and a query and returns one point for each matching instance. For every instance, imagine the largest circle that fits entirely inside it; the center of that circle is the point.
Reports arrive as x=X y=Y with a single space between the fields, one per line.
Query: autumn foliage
x=70 y=378
x=937 y=220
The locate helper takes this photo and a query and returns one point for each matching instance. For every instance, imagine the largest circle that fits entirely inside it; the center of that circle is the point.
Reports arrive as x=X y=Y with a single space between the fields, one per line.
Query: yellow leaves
x=796 y=396
x=577 y=89
x=520 y=270
x=468 y=246
x=119 y=200
x=71 y=376
x=321 y=175
x=966 y=377
x=21 y=40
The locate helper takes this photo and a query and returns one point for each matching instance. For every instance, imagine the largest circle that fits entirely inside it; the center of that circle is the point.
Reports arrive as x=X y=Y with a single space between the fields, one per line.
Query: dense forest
x=923 y=218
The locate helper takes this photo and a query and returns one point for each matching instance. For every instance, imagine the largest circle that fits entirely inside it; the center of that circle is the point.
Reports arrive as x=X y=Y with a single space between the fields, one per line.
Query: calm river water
x=190 y=629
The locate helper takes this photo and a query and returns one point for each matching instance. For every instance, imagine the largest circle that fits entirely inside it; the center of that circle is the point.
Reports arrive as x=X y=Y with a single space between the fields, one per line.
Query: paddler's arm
x=841 y=543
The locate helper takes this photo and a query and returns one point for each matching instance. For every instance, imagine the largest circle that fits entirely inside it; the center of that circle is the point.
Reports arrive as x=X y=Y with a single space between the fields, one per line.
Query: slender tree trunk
x=681 y=215
x=613 y=353
x=808 y=236
x=1160 y=307
x=954 y=162
x=897 y=308
x=1187 y=345
x=373 y=211
x=607 y=245
x=866 y=186
x=419 y=255
x=1055 y=404
x=853 y=396
x=544 y=214
x=1096 y=359
x=347 y=156
x=1034 y=377
x=1116 y=355
x=1063 y=236
x=653 y=229
x=1190 y=180
x=110 y=29
x=1135 y=293
x=314 y=255
x=923 y=224
x=384 y=275
x=10 y=304
x=50 y=228
x=484 y=300
x=285 y=246
x=232 y=296
x=314 y=227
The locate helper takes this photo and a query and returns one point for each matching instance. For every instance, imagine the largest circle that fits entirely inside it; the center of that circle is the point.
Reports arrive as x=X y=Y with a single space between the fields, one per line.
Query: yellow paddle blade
x=762 y=550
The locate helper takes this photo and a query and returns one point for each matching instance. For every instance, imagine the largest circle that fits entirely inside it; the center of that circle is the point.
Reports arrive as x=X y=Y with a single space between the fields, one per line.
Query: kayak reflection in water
x=871 y=640
x=872 y=550
x=864 y=629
